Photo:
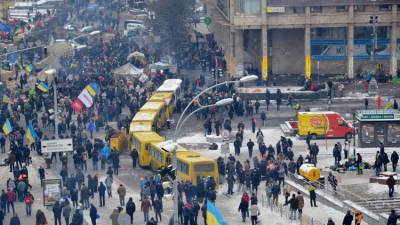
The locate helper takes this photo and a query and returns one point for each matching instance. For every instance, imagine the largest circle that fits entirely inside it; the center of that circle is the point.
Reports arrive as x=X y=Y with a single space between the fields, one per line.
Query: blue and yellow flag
x=28 y=68
x=19 y=65
x=30 y=134
x=93 y=89
x=213 y=216
x=7 y=128
x=42 y=86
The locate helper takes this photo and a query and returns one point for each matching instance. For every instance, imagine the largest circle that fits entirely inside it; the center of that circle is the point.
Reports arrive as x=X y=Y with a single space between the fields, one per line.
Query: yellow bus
x=160 y=109
x=192 y=166
x=141 y=141
x=147 y=118
x=166 y=97
x=171 y=87
x=161 y=154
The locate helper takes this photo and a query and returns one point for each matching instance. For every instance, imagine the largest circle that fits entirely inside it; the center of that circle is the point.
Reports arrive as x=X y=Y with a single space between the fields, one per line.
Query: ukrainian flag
x=31 y=134
x=28 y=68
x=7 y=128
x=90 y=90
x=213 y=216
x=19 y=65
x=42 y=86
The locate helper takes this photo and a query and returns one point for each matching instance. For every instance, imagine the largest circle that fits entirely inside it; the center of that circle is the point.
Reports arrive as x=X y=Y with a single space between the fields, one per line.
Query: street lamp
x=222 y=102
x=53 y=72
x=244 y=79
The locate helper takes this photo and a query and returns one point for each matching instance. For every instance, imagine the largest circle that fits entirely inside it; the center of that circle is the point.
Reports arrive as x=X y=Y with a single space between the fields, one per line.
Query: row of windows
x=183 y=167
x=343 y=8
x=156 y=154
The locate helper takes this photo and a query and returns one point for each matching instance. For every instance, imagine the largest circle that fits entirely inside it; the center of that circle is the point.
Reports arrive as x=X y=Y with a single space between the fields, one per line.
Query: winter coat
x=390 y=182
x=15 y=220
x=114 y=217
x=66 y=211
x=300 y=201
x=130 y=207
x=347 y=219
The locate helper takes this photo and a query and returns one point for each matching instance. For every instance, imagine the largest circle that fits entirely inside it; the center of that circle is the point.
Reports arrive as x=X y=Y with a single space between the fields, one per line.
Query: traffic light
x=220 y=73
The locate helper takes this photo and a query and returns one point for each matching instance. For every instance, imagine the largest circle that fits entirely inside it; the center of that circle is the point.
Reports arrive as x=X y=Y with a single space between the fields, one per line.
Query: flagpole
x=55 y=107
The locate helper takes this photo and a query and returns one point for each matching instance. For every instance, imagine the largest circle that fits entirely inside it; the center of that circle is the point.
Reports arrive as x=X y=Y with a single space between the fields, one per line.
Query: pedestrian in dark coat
x=130 y=208
x=348 y=218
x=15 y=220
x=390 y=183
x=134 y=156
x=102 y=194
x=57 y=209
x=93 y=214
x=393 y=217
x=395 y=159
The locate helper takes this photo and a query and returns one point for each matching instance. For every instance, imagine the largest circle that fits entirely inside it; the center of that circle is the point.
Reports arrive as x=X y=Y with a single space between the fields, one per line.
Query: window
x=341 y=8
x=200 y=168
x=298 y=10
x=385 y=7
x=368 y=133
x=183 y=167
x=359 y=8
x=316 y=9
x=393 y=133
x=342 y=123
x=156 y=154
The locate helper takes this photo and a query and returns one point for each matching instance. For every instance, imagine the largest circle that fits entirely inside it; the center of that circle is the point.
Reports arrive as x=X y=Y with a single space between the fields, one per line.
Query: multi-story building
x=308 y=36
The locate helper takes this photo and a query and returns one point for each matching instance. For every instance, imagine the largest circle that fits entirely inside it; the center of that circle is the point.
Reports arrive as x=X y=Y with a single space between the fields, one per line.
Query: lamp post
x=354 y=133
x=181 y=121
x=53 y=72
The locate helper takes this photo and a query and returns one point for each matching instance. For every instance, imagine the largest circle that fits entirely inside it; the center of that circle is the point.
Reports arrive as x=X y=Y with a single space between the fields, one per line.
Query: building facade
x=308 y=36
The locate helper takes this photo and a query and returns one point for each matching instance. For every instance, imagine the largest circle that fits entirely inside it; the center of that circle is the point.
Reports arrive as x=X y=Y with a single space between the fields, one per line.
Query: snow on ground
x=374 y=188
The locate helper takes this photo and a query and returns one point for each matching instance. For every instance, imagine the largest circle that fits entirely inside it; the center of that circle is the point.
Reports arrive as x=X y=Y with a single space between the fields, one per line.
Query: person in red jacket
x=390 y=183
x=11 y=196
x=28 y=203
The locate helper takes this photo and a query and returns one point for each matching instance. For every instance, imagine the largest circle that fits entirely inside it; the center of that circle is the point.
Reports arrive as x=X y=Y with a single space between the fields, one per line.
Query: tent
x=128 y=70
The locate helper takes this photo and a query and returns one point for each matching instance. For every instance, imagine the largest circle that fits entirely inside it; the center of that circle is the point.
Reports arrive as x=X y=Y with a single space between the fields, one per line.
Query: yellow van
x=192 y=166
x=161 y=154
x=166 y=97
x=141 y=141
x=144 y=117
x=159 y=108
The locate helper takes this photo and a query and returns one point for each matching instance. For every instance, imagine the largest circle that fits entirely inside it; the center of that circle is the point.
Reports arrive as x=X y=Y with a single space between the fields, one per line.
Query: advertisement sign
x=51 y=191
x=271 y=9
x=265 y=67
x=59 y=145
x=308 y=67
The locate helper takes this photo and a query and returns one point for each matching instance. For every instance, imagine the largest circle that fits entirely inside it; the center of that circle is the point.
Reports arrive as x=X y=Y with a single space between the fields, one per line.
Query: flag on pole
x=31 y=134
x=93 y=89
x=213 y=216
x=7 y=128
x=42 y=86
x=86 y=98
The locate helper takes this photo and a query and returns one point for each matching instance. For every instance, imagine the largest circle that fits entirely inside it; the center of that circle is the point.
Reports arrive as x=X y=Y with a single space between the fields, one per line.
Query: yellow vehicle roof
x=137 y=126
x=147 y=137
x=167 y=87
x=152 y=106
x=168 y=146
x=161 y=97
x=193 y=157
x=144 y=116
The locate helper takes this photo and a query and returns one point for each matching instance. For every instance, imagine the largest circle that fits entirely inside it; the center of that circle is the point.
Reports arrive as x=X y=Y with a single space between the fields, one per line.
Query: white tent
x=128 y=70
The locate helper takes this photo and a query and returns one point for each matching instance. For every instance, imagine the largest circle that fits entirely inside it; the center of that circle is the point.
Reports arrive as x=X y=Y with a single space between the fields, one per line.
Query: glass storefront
x=393 y=133
x=368 y=133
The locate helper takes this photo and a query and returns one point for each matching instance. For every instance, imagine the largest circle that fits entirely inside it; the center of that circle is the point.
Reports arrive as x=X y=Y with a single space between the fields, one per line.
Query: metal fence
x=285 y=212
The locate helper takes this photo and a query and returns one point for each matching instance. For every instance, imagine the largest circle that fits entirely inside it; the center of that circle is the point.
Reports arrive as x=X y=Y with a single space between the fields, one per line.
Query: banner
x=86 y=98
x=308 y=67
x=77 y=106
x=265 y=67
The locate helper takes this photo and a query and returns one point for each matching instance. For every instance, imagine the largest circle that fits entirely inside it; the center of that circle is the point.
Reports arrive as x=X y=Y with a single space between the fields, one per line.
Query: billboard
x=51 y=191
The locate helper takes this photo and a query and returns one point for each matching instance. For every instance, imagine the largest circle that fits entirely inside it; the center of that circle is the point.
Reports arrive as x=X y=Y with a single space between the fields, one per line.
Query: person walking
x=146 y=207
x=293 y=206
x=254 y=213
x=332 y=181
x=11 y=197
x=130 y=208
x=393 y=217
x=250 y=146
x=300 y=203
x=158 y=209
x=57 y=209
x=28 y=203
x=390 y=182
x=109 y=182
x=348 y=218
x=358 y=217
x=395 y=159
x=114 y=217
x=66 y=212
x=102 y=194
x=121 y=193
x=243 y=209
x=253 y=124
x=93 y=214
x=15 y=220
x=263 y=117
x=40 y=218
x=134 y=157
x=313 y=196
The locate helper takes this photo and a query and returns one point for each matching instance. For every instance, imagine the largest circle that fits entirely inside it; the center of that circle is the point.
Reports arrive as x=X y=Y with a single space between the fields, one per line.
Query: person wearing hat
x=330 y=221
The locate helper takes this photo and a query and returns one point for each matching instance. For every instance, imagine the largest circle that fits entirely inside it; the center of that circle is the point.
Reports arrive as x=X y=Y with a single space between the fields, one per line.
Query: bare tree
x=172 y=23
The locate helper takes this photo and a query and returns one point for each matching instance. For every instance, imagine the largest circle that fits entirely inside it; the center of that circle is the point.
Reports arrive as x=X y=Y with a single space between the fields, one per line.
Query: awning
x=128 y=70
